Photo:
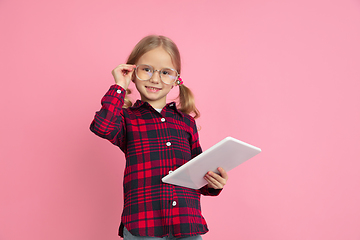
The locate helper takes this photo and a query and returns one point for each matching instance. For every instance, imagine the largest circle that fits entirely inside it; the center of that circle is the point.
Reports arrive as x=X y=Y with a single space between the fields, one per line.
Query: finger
x=211 y=185
x=126 y=68
x=217 y=177
x=213 y=182
x=223 y=173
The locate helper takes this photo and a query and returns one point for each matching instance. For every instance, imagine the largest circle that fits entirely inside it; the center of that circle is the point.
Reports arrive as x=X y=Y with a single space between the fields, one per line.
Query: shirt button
x=170 y=171
x=118 y=91
x=168 y=144
x=171 y=105
x=163 y=119
x=174 y=203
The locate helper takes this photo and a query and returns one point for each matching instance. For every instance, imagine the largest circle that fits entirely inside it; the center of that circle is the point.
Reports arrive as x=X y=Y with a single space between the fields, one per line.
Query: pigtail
x=127 y=102
x=187 y=101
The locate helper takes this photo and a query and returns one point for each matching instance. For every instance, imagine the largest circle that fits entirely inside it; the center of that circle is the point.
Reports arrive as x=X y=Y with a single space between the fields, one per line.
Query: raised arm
x=109 y=122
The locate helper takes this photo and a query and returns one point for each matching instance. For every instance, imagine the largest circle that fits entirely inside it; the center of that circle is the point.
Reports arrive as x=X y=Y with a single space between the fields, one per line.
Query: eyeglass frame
x=153 y=71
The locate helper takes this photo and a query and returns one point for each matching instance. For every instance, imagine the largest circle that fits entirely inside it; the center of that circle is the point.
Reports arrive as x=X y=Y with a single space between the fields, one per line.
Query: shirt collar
x=171 y=105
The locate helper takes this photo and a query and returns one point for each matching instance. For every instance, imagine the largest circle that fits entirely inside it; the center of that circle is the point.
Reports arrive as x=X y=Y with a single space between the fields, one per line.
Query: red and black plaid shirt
x=154 y=143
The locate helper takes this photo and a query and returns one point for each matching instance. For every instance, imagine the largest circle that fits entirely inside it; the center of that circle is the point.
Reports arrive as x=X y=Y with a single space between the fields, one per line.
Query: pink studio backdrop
x=282 y=75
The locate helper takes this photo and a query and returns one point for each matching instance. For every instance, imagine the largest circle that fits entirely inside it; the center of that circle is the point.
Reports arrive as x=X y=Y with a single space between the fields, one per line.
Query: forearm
x=108 y=121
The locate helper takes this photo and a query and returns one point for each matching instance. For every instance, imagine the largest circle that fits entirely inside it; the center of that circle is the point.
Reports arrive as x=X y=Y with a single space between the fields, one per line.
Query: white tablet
x=228 y=154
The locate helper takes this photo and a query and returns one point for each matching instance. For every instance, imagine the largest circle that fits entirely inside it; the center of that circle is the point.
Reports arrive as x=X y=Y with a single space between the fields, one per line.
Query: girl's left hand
x=216 y=181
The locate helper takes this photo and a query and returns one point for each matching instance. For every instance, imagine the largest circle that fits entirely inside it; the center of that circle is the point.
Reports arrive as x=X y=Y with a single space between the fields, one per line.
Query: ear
x=133 y=77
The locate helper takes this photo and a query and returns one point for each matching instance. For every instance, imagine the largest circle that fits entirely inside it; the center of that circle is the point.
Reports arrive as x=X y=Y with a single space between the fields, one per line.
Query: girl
x=156 y=138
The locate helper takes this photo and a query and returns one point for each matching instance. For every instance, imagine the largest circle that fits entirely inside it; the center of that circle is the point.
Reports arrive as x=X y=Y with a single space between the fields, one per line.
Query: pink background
x=282 y=75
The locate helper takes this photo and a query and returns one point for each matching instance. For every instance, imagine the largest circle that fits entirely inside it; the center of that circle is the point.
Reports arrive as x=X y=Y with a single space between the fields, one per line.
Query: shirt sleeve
x=205 y=190
x=109 y=123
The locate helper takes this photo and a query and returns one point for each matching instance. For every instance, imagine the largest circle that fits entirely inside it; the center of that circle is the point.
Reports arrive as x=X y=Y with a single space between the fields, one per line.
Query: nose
x=155 y=78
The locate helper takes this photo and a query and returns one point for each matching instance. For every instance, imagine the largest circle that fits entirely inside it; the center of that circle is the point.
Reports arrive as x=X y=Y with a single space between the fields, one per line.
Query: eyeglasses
x=145 y=72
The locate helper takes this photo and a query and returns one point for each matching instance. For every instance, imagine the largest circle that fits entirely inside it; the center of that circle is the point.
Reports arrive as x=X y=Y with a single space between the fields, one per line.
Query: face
x=154 y=91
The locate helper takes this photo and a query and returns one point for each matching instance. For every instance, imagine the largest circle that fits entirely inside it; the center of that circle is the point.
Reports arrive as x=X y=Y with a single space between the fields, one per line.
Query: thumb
x=223 y=173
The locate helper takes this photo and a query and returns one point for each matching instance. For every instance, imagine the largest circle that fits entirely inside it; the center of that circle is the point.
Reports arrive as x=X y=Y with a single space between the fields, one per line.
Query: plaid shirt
x=154 y=144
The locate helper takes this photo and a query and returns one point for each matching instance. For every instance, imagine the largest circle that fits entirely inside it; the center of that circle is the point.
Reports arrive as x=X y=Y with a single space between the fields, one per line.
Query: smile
x=153 y=89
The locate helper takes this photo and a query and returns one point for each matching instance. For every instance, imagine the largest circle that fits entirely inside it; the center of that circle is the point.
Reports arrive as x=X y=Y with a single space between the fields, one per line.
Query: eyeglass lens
x=145 y=72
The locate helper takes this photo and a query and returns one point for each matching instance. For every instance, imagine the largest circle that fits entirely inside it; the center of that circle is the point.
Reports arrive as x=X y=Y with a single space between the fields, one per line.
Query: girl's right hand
x=123 y=74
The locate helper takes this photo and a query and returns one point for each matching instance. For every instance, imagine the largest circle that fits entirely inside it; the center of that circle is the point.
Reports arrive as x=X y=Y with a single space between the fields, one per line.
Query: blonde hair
x=186 y=97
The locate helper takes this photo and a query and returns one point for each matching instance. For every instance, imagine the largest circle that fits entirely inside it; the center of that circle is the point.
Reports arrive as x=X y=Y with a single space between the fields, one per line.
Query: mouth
x=152 y=89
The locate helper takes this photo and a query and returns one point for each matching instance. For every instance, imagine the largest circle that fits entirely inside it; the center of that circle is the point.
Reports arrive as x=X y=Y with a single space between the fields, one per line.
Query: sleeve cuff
x=114 y=99
x=210 y=191
x=116 y=91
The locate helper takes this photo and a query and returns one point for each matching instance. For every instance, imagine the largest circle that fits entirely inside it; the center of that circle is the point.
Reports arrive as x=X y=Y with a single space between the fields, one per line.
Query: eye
x=165 y=72
x=146 y=68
